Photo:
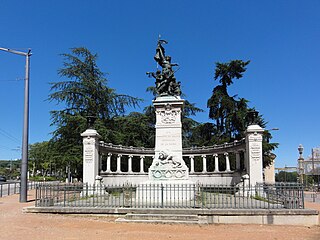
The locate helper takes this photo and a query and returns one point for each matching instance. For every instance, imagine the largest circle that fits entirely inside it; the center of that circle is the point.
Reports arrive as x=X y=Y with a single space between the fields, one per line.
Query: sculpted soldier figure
x=165 y=80
x=165 y=158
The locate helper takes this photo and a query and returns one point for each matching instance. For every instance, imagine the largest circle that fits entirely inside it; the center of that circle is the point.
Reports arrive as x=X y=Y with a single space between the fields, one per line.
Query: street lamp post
x=24 y=160
x=300 y=163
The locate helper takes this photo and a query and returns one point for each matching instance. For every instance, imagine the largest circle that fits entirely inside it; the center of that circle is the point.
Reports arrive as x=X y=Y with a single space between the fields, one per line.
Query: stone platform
x=302 y=217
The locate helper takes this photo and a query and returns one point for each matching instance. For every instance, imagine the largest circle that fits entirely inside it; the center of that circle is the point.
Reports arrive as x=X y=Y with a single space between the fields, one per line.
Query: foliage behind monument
x=84 y=91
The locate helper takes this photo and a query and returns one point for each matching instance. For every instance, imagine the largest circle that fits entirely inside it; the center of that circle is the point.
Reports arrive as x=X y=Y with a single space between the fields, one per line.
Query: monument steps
x=160 y=218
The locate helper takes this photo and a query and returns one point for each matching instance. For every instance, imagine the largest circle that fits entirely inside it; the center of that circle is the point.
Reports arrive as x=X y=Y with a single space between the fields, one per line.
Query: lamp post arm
x=17 y=52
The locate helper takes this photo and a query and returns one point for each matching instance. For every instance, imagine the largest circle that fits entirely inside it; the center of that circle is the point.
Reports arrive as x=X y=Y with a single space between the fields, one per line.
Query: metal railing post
x=302 y=193
x=161 y=195
x=36 y=198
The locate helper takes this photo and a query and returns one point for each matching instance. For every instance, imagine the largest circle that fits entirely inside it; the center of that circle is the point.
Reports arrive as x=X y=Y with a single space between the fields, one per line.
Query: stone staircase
x=161 y=218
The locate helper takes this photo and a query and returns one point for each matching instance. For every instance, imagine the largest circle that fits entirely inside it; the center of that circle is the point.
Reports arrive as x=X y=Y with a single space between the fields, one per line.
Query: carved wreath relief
x=168 y=115
x=255 y=137
x=168 y=174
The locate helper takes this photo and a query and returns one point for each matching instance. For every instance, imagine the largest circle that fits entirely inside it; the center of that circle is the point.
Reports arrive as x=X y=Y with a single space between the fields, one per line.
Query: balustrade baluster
x=204 y=164
x=130 y=163
x=109 y=163
x=216 y=162
x=191 y=164
x=119 y=163
x=227 y=162
x=141 y=164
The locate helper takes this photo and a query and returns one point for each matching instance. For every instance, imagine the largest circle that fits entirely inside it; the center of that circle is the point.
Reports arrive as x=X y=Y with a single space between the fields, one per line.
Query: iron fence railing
x=9 y=188
x=260 y=196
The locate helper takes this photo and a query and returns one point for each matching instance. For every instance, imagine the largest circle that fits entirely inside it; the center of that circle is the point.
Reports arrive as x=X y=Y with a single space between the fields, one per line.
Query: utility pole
x=25 y=133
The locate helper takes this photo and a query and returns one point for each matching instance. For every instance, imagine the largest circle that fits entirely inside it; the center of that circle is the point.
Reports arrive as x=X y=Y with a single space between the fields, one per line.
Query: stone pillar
x=109 y=163
x=90 y=155
x=237 y=161
x=130 y=163
x=269 y=174
x=191 y=164
x=119 y=163
x=204 y=164
x=254 y=154
x=216 y=162
x=227 y=162
x=168 y=163
x=141 y=164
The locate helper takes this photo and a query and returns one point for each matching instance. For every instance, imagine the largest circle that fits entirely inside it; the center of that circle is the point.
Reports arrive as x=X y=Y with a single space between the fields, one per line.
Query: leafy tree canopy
x=83 y=91
x=229 y=112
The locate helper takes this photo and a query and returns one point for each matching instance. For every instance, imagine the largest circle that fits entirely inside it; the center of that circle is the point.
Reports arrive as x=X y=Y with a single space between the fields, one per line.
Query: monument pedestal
x=168 y=174
x=168 y=163
x=254 y=154
x=90 y=156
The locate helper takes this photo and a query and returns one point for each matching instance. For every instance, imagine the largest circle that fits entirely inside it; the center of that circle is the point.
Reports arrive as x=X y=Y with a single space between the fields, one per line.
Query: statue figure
x=165 y=158
x=165 y=80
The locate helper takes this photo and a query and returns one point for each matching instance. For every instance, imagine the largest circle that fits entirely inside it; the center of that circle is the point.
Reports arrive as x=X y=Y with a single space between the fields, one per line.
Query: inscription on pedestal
x=168 y=140
x=255 y=152
x=88 y=153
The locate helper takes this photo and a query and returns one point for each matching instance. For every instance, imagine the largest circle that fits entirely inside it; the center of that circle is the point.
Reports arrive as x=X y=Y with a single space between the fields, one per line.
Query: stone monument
x=168 y=163
x=168 y=167
x=254 y=150
x=90 y=153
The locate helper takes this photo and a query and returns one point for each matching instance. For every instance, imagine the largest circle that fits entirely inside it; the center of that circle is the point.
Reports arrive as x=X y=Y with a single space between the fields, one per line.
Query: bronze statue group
x=166 y=84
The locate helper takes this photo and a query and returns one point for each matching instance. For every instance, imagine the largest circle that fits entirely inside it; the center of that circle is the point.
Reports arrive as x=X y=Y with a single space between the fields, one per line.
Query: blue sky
x=281 y=38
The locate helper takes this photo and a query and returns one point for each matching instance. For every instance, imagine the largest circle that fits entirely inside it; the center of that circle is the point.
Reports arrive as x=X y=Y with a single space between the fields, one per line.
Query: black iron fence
x=260 y=196
x=9 y=188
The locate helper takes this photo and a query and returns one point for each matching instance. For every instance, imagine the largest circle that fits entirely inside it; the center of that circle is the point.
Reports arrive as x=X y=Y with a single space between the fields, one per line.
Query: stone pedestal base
x=90 y=155
x=166 y=193
x=168 y=172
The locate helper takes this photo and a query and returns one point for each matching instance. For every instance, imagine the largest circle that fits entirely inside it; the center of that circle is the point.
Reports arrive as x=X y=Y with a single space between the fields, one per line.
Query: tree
x=284 y=176
x=224 y=109
x=86 y=91
x=83 y=92
x=204 y=134
x=229 y=112
x=134 y=129
x=41 y=158
x=226 y=72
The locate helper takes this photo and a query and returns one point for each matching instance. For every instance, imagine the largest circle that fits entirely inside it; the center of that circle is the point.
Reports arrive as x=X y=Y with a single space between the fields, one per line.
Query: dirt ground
x=14 y=224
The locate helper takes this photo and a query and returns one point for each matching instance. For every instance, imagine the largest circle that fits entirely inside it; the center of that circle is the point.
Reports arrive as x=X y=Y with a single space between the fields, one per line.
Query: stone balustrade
x=218 y=153
x=218 y=164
